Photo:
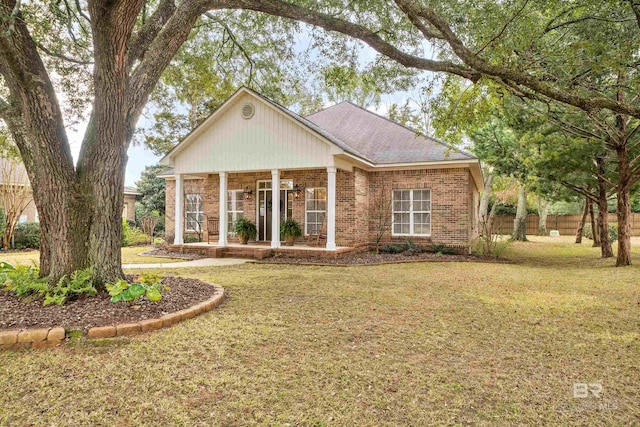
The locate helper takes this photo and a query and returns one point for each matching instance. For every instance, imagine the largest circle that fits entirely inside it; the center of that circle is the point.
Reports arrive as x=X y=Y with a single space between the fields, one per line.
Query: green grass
x=406 y=344
x=130 y=255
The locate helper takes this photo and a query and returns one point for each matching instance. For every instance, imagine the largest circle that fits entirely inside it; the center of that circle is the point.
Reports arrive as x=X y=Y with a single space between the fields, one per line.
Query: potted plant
x=245 y=229
x=290 y=229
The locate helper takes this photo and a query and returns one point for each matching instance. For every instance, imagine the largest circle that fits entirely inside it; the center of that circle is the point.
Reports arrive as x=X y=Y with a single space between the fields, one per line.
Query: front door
x=264 y=215
x=265 y=207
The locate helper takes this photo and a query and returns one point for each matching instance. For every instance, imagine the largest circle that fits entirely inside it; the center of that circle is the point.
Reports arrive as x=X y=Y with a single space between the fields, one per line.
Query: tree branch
x=141 y=40
x=235 y=42
x=520 y=78
x=504 y=27
x=578 y=190
x=330 y=23
x=158 y=46
x=62 y=56
x=635 y=10
x=585 y=18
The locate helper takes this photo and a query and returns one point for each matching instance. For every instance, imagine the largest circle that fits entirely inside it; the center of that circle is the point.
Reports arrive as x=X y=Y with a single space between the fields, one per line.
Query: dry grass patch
x=130 y=255
x=408 y=344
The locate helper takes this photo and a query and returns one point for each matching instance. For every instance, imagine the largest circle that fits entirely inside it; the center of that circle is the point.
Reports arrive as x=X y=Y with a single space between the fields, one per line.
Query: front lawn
x=407 y=344
x=130 y=255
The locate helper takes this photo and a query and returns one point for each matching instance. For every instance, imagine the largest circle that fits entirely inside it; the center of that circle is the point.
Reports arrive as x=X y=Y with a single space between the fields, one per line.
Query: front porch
x=266 y=198
x=259 y=250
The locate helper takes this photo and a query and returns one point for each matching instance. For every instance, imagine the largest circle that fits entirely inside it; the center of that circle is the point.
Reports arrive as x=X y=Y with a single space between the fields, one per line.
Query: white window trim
x=306 y=223
x=230 y=211
x=411 y=212
x=199 y=210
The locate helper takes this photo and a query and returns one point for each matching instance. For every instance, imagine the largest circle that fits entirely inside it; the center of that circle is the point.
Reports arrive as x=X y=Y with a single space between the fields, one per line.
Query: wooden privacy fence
x=565 y=224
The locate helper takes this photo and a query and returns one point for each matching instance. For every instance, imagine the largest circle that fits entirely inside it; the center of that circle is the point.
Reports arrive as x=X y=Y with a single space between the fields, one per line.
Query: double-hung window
x=411 y=212
x=315 y=209
x=235 y=208
x=194 y=212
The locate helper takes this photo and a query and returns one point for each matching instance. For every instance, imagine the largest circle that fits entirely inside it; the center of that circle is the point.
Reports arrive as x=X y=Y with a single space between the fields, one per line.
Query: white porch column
x=179 y=214
x=331 y=208
x=275 y=208
x=222 y=210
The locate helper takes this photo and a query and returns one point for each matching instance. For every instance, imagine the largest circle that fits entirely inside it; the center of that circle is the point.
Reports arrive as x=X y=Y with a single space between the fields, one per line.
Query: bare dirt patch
x=85 y=313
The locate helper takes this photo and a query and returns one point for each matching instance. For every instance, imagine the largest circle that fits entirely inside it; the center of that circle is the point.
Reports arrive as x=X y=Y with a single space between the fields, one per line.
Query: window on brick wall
x=315 y=209
x=411 y=212
x=235 y=208
x=194 y=212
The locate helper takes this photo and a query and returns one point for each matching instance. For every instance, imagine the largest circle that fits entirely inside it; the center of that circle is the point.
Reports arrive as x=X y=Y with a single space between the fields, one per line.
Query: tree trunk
x=542 y=215
x=595 y=231
x=81 y=207
x=585 y=212
x=483 y=210
x=624 y=208
x=603 y=213
x=520 y=222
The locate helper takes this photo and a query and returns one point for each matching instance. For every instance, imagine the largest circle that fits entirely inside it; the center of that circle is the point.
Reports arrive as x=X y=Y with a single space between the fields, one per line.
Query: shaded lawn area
x=130 y=255
x=408 y=344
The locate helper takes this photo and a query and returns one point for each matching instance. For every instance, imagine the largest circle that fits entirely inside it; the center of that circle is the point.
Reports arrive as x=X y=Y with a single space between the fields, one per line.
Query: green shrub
x=389 y=248
x=493 y=247
x=412 y=248
x=132 y=235
x=126 y=230
x=3 y=221
x=291 y=228
x=147 y=285
x=407 y=248
x=27 y=235
x=245 y=227
x=442 y=249
x=613 y=232
x=67 y=288
x=23 y=281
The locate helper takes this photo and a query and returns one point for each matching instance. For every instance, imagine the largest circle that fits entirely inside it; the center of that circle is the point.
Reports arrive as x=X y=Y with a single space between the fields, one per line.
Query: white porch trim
x=331 y=208
x=179 y=213
x=275 y=208
x=222 y=209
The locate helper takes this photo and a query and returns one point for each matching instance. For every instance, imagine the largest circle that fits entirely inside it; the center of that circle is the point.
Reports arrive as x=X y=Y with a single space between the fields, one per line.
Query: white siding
x=269 y=140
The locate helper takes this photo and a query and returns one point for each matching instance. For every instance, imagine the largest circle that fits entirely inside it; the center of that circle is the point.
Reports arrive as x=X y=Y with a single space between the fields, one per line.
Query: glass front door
x=265 y=206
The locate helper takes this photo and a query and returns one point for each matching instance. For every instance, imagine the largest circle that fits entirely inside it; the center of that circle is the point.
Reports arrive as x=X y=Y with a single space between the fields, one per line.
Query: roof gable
x=273 y=138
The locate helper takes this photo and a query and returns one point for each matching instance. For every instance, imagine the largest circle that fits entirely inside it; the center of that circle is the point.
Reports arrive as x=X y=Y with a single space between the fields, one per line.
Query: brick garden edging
x=52 y=337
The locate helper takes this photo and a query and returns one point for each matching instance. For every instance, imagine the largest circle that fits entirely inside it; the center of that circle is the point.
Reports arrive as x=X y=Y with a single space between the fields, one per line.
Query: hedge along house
x=336 y=170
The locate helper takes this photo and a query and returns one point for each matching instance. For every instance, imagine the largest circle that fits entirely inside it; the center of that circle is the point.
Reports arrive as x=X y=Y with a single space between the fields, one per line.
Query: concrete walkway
x=205 y=262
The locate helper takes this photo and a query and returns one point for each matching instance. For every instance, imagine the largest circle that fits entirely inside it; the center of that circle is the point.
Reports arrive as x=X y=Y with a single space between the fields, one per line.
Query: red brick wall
x=450 y=201
x=191 y=186
x=451 y=198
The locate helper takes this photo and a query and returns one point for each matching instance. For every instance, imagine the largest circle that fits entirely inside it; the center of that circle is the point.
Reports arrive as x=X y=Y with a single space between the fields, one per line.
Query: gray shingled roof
x=380 y=140
x=131 y=190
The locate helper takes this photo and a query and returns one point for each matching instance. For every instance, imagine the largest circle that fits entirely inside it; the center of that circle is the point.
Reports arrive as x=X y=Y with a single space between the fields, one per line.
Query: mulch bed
x=85 y=313
x=161 y=253
x=371 y=258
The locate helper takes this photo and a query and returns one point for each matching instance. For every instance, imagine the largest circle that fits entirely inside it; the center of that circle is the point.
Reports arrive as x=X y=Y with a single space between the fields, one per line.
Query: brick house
x=129 y=208
x=334 y=170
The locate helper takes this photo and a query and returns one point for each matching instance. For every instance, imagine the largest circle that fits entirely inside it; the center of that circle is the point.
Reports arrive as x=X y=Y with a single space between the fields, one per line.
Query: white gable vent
x=248 y=111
